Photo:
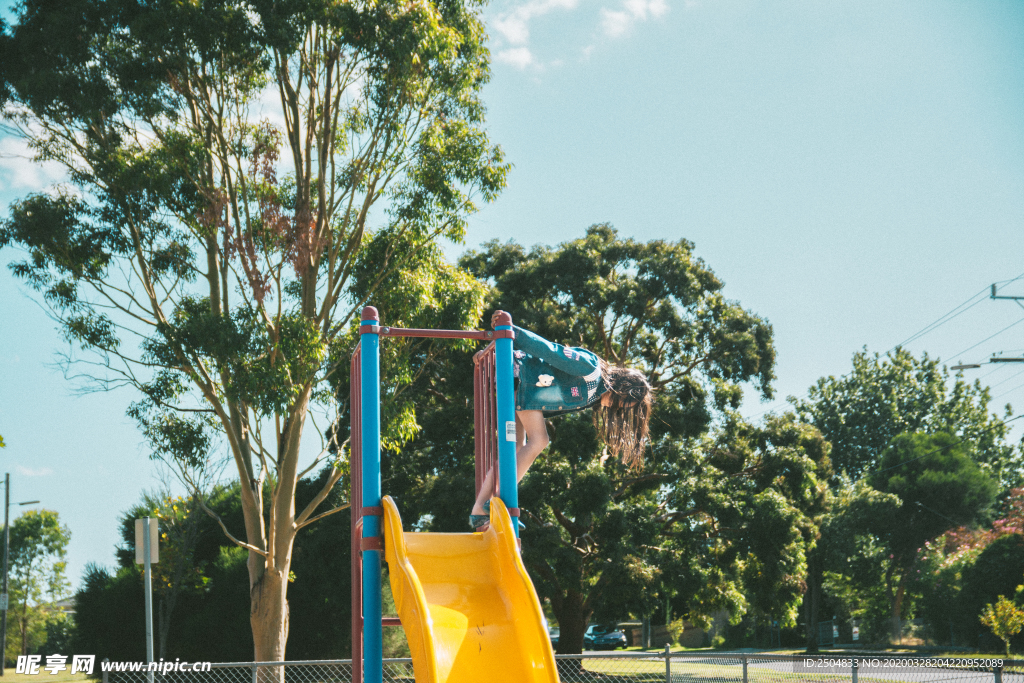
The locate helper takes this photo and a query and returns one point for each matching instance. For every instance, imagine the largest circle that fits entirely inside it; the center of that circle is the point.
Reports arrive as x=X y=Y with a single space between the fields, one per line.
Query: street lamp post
x=4 y=597
x=3 y=593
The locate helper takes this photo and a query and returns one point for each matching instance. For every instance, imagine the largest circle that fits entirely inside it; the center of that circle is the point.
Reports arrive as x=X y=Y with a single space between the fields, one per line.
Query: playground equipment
x=469 y=609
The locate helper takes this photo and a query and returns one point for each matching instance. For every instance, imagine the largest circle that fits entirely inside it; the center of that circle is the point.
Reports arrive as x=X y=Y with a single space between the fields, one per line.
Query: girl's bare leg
x=531 y=439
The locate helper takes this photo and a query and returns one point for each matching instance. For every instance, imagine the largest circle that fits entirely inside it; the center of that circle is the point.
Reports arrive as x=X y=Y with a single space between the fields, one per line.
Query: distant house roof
x=67 y=606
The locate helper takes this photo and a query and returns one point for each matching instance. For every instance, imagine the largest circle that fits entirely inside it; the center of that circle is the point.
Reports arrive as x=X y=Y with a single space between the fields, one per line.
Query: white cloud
x=514 y=26
x=615 y=22
x=519 y=57
x=18 y=171
x=29 y=472
x=618 y=21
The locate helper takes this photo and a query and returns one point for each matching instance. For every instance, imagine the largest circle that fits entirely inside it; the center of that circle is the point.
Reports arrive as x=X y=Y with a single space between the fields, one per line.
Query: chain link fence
x=644 y=667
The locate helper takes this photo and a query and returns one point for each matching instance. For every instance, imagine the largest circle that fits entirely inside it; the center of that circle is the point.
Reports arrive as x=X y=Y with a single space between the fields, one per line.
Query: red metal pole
x=485 y=417
x=478 y=421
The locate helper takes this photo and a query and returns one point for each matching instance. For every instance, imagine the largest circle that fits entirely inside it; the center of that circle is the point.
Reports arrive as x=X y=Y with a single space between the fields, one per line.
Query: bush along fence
x=644 y=667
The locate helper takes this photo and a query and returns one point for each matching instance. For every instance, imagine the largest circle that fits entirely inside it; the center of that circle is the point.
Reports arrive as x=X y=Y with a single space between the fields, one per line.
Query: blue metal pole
x=507 y=466
x=373 y=636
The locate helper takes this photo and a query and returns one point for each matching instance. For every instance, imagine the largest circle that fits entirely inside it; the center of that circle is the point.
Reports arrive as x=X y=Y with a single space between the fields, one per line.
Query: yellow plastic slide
x=468 y=607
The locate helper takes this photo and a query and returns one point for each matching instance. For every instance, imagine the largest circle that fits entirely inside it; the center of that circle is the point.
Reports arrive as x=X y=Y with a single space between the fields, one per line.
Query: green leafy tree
x=209 y=620
x=940 y=487
x=884 y=396
x=180 y=522
x=603 y=540
x=1004 y=618
x=995 y=570
x=849 y=561
x=242 y=177
x=860 y=413
x=38 y=573
x=756 y=496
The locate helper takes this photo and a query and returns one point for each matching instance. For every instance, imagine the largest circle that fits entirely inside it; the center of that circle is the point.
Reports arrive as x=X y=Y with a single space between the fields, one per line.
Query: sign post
x=147 y=552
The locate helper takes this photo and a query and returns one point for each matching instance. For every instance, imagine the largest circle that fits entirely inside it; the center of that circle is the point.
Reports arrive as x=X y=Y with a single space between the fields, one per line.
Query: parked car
x=553 y=635
x=600 y=637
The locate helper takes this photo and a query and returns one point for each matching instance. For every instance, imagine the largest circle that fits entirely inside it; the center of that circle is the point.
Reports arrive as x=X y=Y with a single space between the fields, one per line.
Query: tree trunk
x=572 y=623
x=24 y=626
x=812 y=600
x=897 y=609
x=269 y=620
x=573 y=618
x=268 y=575
x=891 y=593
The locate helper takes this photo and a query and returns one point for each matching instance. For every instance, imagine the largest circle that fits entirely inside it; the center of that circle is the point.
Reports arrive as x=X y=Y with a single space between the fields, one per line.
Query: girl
x=552 y=379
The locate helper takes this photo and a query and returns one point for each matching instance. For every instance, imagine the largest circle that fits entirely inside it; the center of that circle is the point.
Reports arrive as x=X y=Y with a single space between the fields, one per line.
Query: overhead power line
x=942 y=320
x=936 y=450
x=988 y=338
x=955 y=312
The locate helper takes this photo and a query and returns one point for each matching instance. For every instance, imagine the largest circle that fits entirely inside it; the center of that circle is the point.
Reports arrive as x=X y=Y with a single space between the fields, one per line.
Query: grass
x=45 y=676
x=632 y=670
x=683 y=671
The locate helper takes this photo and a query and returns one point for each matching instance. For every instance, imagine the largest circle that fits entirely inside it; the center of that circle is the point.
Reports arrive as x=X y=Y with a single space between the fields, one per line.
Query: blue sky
x=851 y=170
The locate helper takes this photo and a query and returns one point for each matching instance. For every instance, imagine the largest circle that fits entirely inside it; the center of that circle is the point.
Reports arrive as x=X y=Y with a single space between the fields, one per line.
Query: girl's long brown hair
x=623 y=425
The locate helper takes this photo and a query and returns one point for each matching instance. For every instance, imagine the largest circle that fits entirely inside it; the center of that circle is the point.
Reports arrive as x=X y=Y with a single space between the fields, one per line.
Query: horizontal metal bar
x=443 y=334
x=391 y=621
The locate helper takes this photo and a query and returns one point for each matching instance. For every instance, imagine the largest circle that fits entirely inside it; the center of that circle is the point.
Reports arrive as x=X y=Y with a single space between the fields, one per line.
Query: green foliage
x=852 y=559
x=37 y=576
x=998 y=570
x=215 y=261
x=210 y=619
x=1004 y=618
x=860 y=414
x=940 y=486
x=708 y=517
x=60 y=633
x=928 y=473
x=28 y=640
x=883 y=397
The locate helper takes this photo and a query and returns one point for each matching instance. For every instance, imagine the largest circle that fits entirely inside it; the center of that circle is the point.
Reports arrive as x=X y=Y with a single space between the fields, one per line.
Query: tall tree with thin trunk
x=241 y=176
x=39 y=544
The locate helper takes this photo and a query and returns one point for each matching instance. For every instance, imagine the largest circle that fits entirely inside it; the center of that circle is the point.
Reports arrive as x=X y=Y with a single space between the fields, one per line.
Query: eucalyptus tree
x=241 y=176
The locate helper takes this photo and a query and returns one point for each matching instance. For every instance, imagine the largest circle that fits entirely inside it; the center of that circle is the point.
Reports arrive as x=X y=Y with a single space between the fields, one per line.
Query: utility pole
x=4 y=596
x=994 y=359
x=3 y=592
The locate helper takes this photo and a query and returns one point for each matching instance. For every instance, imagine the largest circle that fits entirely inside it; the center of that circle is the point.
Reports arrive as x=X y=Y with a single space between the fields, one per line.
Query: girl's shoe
x=478 y=521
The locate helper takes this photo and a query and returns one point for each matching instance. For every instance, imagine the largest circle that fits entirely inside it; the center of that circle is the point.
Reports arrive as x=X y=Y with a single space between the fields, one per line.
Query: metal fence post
x=106 y=674
x=854 y=672
x=254 y=670
x=997 y=671
x=744 y=669
x=668 y=663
